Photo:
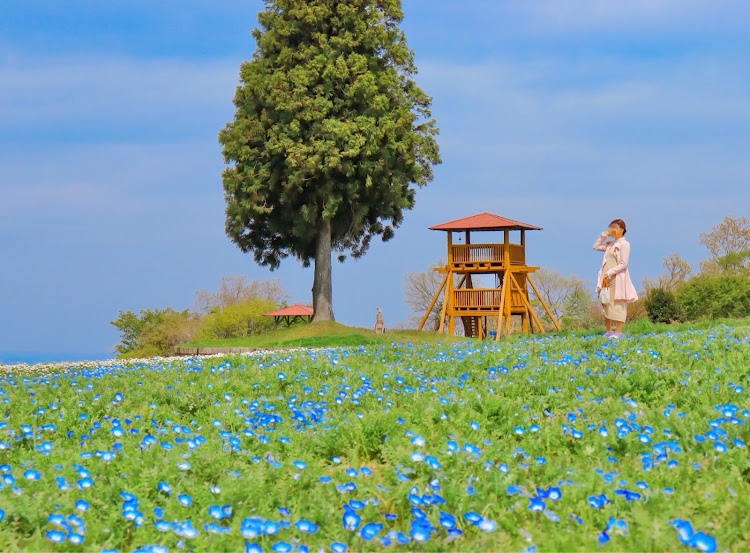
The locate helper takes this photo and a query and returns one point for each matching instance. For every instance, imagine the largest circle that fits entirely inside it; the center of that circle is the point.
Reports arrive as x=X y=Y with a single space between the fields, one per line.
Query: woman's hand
x=605 y=281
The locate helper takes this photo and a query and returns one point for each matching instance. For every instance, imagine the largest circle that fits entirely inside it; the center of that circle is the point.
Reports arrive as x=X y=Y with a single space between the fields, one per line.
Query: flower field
x=533 y=444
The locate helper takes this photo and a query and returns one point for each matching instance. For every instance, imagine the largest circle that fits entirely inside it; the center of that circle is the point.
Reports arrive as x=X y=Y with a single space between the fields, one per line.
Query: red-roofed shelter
x=506 y=261
x=290 y=315
x=484 y=221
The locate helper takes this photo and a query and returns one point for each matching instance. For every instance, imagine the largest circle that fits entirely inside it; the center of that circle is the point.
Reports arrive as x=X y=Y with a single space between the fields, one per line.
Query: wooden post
x=528 y=306
x=450 y=249
x=432 y=303
x=502 y=307
x=508 y=304
x=506 y=248
x=448 y=293
x=554 y=322
x=451 y=318
x=523 y=239
x=468 y=238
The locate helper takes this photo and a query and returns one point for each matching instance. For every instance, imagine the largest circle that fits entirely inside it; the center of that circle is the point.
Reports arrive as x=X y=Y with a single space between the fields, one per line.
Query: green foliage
x=661 y=306
x=735 y=263
x=329 y=126
x=706 y=296
x=153 y=331
x=239 y=319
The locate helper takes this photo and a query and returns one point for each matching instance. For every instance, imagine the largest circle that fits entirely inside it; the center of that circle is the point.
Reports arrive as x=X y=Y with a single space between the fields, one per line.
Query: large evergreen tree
x=329 y=137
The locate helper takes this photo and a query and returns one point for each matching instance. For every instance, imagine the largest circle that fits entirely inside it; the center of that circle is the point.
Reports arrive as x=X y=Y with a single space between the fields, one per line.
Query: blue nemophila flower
x=185 y=500
x=185 y=529
x=487 y=525
x=338 y=547
x=417 y=456
x=536 y=503
x=55 y=536
x=220 y=512
x=350 y=519
x=704 y=542
x=270 y=527
x=251 y=527
x=420 y=529
x=684 y=530
x=356 y=504
x=474 y=425
x=472 y=517
x=32 y=474
x=306 y=526
x=214 y=528
x=253 y=548
x=84 y=483
x=370 y=530
x=163 y=525
x=164 y=487
x=629 y=496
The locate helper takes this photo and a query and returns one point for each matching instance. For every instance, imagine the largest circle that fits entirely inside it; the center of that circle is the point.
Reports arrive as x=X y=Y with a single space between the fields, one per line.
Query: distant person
x=614 y=276
x=379 y=322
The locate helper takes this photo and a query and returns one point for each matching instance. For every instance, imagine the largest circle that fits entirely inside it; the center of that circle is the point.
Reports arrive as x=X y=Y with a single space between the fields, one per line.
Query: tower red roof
x=484 y=221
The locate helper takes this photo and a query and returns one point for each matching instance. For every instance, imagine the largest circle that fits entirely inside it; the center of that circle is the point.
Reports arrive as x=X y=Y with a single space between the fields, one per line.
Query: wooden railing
x=486 y=253
x=517 y=254
x=483 y=298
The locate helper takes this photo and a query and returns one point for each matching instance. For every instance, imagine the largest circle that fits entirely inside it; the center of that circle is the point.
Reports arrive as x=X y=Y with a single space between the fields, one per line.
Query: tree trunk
x=322 y=290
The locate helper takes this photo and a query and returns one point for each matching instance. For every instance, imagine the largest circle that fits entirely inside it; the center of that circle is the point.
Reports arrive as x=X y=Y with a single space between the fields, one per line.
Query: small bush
x=240 y=319
x=154 y=332
x=662 y=307
x=713 y=297
x=636 y=311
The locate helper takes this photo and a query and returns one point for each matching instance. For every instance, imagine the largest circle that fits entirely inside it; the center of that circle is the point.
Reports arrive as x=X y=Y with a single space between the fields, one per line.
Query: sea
x=31 y=357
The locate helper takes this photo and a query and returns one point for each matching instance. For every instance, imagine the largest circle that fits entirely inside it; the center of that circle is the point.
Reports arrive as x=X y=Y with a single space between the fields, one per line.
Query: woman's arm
x=599 y=244
x=622 y=264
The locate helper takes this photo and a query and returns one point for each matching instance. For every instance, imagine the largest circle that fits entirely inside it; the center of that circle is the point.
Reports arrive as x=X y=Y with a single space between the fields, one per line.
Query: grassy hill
x=324 y=334
x=333 y=334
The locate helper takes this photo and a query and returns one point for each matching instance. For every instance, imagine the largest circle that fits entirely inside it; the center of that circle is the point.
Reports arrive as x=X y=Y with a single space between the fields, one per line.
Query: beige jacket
x=624 y=289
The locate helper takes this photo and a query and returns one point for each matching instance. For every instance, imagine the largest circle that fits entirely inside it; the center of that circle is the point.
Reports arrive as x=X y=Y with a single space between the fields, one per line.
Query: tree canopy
x=329 y=136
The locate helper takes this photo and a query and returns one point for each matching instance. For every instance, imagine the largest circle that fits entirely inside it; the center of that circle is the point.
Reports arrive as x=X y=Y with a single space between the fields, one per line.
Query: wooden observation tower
x=506 y=262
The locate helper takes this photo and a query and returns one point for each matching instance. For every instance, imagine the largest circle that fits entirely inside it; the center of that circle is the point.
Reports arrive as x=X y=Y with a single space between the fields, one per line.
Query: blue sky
x=562 y=113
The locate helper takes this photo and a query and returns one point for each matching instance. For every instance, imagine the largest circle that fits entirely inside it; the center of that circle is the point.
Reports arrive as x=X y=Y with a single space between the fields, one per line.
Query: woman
x=614 y=275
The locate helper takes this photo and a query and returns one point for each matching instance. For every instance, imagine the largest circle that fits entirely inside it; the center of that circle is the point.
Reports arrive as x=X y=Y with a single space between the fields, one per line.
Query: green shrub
x=154 y=332
x=712 y=297
x=661 y=306
x=239 y=319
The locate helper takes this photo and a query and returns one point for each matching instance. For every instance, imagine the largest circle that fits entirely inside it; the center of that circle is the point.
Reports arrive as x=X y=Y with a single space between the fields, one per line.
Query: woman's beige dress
x=615 y=310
